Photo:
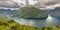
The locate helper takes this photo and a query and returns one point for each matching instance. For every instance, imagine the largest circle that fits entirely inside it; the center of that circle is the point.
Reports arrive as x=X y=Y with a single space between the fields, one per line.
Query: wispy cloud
x=17 y=3
x=50 y=3
x=8 y=4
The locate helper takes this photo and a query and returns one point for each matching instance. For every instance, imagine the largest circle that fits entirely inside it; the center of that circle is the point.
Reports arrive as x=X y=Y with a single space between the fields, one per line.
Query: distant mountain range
x=8 y=11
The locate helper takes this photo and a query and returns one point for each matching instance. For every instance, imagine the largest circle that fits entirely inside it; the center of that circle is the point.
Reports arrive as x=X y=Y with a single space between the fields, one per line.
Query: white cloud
x=50 y=3
x=8 y=4
x=17 y=3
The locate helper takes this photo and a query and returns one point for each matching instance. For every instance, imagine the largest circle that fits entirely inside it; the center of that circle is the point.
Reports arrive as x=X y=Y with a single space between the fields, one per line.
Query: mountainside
x=6 y=24
x=8 y=11
x=55 y=12
x=31 y=12
x=3 y=17
x=12 y=25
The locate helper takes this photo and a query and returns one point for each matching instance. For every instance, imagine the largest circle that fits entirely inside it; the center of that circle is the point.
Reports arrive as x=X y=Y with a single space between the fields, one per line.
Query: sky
x=48 y=4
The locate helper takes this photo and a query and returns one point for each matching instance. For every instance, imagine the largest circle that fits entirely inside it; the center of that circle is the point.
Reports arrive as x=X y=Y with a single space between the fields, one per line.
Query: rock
x=55 y=12
x=31 y=12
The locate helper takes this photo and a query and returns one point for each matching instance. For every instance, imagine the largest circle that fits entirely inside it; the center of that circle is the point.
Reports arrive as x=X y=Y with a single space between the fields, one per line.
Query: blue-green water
x=49 y=21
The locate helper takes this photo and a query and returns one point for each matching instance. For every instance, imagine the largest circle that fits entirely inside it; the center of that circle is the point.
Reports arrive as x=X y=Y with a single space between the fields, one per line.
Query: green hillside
x=6 y=24
x=31 y=12
x=3 y=16
x=12 y=25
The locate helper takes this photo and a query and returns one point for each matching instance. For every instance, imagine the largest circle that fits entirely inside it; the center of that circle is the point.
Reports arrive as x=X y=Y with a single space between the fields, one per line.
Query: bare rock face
x=32 y=12
x=55 y=12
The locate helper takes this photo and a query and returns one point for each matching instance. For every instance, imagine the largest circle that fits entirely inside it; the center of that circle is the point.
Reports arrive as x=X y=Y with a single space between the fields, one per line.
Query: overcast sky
x=16 y=3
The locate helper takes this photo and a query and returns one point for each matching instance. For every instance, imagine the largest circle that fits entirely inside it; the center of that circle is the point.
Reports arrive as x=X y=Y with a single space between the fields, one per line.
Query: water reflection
x=50 y=21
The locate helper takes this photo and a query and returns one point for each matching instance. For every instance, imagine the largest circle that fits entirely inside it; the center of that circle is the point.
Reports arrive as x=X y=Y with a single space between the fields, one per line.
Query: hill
x=31 y=12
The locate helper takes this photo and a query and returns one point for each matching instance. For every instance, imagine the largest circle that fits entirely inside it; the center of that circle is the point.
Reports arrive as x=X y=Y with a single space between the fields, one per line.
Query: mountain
x=55 y=12
x=31 y=12
x=8 y=11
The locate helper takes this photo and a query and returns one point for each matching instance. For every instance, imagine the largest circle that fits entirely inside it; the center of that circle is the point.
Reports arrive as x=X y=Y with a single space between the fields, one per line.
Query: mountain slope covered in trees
x=31 y=12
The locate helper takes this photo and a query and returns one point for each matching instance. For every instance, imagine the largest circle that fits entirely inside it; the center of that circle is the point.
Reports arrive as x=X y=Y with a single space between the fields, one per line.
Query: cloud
x=47 y=4
x=8 y=4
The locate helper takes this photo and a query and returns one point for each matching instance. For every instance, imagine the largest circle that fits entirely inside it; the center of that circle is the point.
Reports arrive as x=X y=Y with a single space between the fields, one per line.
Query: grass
x=12 y=25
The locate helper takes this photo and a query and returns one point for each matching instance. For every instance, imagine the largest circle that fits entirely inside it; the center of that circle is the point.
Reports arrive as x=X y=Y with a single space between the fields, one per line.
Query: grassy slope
x=12 y=25
x=3 y=16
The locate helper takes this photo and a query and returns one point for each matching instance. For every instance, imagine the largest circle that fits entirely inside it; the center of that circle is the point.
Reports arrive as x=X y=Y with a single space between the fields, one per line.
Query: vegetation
x=6 y=24
x=12 y=25
x=3 y=16
x=31 y=12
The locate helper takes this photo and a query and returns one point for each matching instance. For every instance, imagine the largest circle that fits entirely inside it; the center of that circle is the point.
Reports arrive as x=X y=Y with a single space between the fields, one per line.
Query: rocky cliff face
x=31 y=12
x=55 y=12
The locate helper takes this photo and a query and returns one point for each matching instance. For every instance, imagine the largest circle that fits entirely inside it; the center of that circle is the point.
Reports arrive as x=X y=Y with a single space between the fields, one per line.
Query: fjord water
x=49 y=21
